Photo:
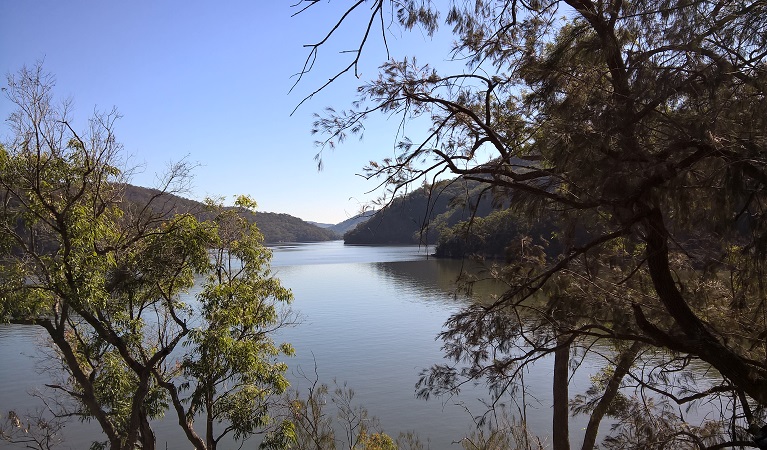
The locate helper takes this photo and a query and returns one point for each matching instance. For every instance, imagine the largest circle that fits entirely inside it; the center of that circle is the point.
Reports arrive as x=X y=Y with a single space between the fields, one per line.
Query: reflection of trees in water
x=442 y=279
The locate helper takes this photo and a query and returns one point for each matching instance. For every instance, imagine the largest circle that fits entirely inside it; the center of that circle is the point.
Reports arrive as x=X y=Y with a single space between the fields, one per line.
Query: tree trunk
x=89 y=397
x=186 y=424
x=211 y=440
x=148 y=440
x=697 y=339
x=561 y=430
x=625 y=360
x=139 y=429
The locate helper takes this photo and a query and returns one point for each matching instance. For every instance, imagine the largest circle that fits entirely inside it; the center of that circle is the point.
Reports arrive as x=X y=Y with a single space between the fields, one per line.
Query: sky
x=210 y=83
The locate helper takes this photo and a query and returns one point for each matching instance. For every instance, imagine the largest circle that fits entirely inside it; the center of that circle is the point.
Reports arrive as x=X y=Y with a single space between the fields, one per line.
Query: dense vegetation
x=638 y=131
x=460 y=218
x=502 y=234
x=419 y=216
x=275 y=227
x=280 y=227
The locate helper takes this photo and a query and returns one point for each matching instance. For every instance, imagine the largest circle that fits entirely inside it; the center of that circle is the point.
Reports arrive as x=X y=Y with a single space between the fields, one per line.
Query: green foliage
x=109 y=281
x=316 y=426
x=232 y=362
x=375 y=441
x=314 y=429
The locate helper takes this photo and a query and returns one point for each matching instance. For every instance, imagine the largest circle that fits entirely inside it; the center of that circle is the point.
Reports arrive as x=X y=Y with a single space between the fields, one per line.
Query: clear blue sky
x=209 y=81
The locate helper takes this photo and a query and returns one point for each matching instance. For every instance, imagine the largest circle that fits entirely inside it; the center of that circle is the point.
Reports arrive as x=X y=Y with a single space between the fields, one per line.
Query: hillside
x=417 y=217
x=286 y=228
x=351 y=223
x=275 y=227
x=319 y=224
x=502 y=234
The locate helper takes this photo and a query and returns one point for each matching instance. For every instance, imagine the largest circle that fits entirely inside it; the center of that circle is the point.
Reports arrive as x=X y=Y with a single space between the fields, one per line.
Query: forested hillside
x=504 y=235
x=275 y=227
x=418 y=217
x=351 y=223
x=286 y=228
x=462 y=221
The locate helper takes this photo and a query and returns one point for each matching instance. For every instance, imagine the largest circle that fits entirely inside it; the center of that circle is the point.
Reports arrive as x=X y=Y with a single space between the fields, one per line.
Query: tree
x=107 y=280
x=231 y=367
x=638 y=128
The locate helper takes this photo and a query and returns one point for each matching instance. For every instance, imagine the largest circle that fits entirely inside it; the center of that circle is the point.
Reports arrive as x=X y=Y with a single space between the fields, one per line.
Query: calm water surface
x=369 y=318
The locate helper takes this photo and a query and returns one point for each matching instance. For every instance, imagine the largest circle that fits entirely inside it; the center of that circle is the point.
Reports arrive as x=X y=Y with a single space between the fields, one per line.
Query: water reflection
x=440 y=278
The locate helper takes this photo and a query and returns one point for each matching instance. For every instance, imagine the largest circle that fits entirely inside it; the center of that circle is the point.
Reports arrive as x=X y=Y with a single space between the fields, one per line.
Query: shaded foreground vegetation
x=629 y=141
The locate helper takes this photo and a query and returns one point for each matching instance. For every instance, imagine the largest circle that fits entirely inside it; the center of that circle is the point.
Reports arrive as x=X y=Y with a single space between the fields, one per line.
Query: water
x=369 y=315
x=372 y=325
x=369 y=318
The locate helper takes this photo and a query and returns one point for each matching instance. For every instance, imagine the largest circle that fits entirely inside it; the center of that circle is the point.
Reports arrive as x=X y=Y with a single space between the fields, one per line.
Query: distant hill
x=286 y=228
x=318 y=224
x=275 y=227
x=417 y=217
x=351 y=223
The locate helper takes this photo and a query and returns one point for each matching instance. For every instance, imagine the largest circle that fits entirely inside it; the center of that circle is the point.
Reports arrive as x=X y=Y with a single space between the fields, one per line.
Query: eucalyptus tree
x=639 y=128
x=231 y=369
x=109 y=280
